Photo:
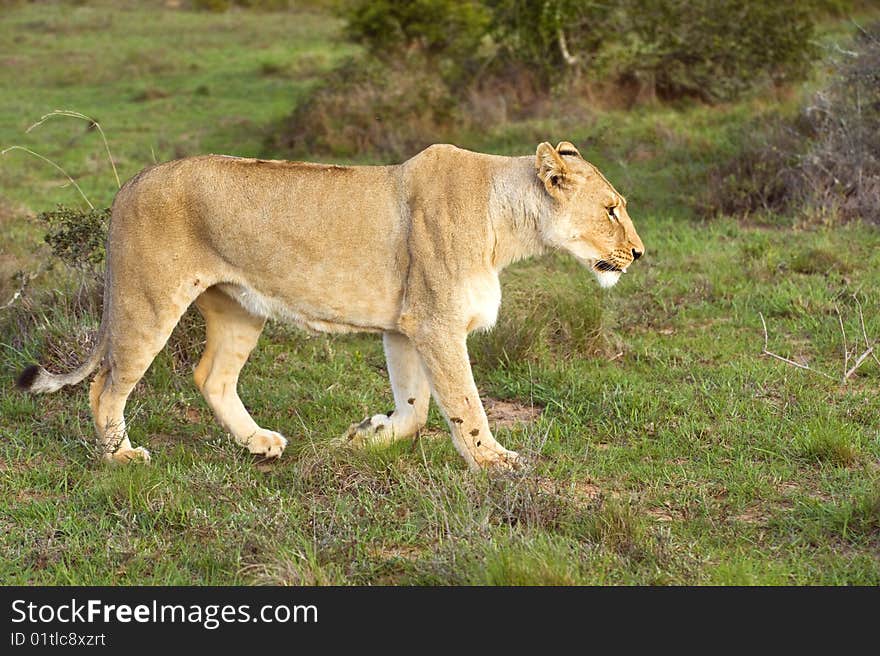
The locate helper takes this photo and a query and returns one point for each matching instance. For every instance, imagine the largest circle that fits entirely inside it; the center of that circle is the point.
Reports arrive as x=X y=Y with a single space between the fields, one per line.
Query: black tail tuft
x=27 y=377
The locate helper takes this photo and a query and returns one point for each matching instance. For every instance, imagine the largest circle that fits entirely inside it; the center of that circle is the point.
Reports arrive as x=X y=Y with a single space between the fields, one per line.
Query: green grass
x=668 y=450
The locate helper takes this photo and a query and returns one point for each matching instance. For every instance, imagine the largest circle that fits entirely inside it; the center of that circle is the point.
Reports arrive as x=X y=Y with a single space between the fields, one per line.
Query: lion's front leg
x=452 y=383
x=411 y=397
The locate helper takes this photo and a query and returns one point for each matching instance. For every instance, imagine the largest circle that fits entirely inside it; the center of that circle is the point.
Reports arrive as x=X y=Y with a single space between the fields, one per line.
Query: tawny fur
x=412 y=251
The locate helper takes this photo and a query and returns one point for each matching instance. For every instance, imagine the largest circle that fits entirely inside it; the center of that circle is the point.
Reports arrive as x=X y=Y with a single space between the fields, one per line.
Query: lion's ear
x=551 y=168
x=567 y=148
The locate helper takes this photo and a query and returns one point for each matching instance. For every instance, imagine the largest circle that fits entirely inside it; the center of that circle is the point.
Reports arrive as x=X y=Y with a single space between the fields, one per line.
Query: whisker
x=603 y=265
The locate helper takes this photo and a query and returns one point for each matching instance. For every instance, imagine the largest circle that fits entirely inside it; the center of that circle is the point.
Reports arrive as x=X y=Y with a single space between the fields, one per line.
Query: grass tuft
x=829 y=441
x=818 y=261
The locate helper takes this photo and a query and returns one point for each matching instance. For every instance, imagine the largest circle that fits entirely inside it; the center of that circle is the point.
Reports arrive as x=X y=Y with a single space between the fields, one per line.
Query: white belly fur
x=264 y=306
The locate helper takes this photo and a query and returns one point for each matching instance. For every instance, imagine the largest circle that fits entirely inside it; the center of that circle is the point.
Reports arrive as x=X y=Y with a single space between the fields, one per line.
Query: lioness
x=412 y=251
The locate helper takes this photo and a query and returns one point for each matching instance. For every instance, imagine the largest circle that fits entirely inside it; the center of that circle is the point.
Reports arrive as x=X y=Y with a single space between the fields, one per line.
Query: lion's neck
x=518 y=206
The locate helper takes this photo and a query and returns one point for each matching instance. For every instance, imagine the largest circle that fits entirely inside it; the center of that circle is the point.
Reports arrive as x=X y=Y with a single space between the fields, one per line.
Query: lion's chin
x=607 y=278
x=606 y=274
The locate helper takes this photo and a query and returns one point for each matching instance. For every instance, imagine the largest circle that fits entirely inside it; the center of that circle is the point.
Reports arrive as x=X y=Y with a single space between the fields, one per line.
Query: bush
x=715 y=49
x=223 y=5
x=762 y=178
x=212 y=5
x=557 y=38
x=449 y=32
x=841 y=170
x=77 y=237
x=264 y=5
x=434 y=64
x=395 y=108
x=711 y=49
x=824 y=161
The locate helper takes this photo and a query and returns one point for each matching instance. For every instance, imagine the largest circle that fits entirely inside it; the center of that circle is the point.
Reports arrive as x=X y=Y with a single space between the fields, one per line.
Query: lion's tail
x=37 y=380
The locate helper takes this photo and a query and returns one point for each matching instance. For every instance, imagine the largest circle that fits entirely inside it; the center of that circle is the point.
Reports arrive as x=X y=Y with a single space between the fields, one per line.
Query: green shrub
x=449 y=32
x=220 y=6
x=715 y=49
x=264 y=5
x=434 y=64
x=537 y=35
x=762 y=177
x=212 y=5
x=77 y=237
x=394 y=108
x=712 y=49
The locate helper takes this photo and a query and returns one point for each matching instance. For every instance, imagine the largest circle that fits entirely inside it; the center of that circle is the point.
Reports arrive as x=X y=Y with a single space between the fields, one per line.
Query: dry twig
x=865 y=332
x=843 y=335
x=786 y=360
x=847 y=370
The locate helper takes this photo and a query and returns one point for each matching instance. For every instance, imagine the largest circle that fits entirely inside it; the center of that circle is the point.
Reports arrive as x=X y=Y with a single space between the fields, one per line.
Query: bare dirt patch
x=581 y=492
x=162 y=440
x=501 y=414
x=752 y=516
x=508 y=413
x=587 y=490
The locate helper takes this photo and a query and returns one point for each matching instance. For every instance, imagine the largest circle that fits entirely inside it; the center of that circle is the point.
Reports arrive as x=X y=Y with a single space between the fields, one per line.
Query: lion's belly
x=320 y=285
x=334 y=312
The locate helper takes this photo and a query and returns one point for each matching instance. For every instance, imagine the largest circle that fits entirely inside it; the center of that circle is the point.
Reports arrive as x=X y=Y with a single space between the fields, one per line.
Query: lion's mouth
x=605 y=265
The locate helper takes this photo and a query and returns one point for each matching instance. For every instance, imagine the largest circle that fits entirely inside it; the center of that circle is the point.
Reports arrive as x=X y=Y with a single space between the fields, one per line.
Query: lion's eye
x=611 y=214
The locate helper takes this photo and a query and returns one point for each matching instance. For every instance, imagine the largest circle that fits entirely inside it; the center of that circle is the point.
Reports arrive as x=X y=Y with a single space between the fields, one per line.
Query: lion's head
x=589 y=220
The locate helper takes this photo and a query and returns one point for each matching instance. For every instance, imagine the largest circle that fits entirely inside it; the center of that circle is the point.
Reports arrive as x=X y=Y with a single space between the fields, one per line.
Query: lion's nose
x=636 y=254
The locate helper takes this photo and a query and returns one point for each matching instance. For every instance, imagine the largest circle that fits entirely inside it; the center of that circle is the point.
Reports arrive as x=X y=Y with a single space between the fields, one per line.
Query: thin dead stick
x=91 y=121
x=50 y=162
x=858 y=363
x=843 y=335
x=865 y=332
x=869 y=349
x=786 y=360
x=862 y=320
x=847 y=371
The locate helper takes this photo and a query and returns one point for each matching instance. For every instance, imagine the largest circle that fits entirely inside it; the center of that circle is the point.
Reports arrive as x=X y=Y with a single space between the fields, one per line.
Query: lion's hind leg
x=107 y=402
x=232 y=333
x=139 y=325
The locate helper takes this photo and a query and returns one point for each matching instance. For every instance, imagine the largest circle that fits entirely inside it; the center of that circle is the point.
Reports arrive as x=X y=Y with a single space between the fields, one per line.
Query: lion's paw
x=500 y=460
x=266 y=443
x=124 y=456
x=372 y=431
